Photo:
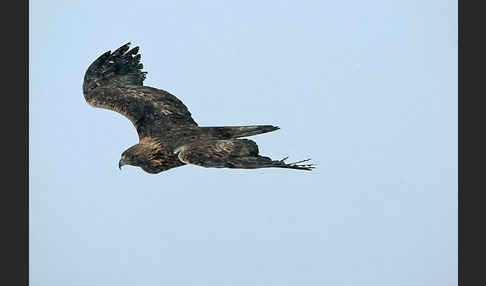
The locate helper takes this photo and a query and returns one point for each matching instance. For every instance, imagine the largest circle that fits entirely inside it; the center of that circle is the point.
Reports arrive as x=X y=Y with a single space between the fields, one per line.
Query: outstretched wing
x=114 y=81
x=234 y=153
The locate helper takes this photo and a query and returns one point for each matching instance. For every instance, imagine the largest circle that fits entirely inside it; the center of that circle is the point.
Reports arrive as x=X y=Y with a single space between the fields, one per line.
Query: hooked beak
x=121 y=163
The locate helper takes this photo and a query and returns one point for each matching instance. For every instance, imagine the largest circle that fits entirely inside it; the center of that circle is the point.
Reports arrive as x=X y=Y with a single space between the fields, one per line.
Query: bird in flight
x=168 y=136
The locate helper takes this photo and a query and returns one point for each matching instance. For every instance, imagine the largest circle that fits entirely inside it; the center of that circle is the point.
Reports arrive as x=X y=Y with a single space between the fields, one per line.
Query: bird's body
x=168 y=135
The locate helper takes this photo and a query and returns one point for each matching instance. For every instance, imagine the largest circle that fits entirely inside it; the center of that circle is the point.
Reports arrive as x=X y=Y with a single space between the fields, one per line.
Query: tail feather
x=227 y=132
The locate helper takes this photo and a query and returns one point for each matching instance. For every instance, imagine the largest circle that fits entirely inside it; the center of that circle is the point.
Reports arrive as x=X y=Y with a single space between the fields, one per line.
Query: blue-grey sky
x=367 y=89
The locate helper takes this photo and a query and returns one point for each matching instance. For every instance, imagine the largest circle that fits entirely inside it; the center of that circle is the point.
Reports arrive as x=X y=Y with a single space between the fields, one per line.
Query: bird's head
x=150 y=156
x=134 y=156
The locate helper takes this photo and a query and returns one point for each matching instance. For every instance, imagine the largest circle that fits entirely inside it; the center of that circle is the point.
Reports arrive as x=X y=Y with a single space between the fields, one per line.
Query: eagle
x=168 y=135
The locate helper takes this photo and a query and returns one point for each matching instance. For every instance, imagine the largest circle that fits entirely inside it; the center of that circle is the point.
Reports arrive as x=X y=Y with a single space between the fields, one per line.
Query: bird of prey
x=168 y=136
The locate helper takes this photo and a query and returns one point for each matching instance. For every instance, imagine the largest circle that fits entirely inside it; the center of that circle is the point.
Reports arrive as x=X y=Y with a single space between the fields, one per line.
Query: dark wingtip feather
x=296 y=165
x=103 y=57
x=133 y=51
x=121 y=62
x=121 y=50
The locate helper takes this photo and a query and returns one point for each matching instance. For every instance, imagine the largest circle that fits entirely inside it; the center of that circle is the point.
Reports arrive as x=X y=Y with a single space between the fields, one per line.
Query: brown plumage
x=168 y=136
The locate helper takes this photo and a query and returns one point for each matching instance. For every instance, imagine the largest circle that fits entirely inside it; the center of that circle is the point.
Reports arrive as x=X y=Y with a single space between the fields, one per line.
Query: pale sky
x=367 y=89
